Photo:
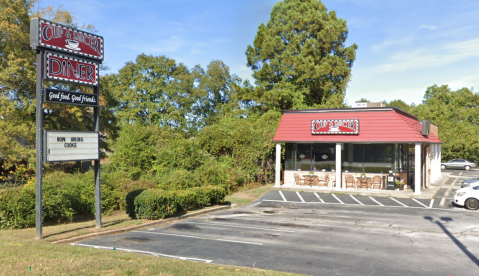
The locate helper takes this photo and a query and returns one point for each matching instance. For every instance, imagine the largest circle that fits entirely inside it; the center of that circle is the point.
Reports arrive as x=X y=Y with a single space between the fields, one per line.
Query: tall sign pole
x=67 y=55
x=39 y=146
x=96 y=114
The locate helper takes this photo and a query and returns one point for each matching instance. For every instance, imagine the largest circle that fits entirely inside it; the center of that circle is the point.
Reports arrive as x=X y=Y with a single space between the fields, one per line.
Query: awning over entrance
x=374 y=125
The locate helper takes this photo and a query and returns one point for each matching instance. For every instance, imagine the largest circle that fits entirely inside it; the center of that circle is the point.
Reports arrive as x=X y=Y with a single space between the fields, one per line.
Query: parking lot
x=321 y=234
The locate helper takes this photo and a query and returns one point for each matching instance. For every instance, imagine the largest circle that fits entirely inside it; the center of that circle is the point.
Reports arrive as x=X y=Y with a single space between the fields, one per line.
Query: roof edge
x=360 y=109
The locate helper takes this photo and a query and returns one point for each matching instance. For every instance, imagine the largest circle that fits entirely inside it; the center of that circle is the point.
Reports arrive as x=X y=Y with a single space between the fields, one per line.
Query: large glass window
x=303 y=157
x=373 y=158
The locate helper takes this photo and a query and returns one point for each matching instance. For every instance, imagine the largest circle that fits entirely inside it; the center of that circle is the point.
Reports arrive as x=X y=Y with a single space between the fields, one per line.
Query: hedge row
x=157 y=204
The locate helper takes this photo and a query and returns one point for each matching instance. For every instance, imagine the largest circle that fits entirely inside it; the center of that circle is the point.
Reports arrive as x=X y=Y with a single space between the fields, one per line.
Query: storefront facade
x=362 y=147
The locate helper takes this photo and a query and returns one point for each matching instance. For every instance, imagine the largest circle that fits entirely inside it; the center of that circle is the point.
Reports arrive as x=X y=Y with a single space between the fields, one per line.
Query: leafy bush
x=17 y=208
x=158 y=204
x=155 y=204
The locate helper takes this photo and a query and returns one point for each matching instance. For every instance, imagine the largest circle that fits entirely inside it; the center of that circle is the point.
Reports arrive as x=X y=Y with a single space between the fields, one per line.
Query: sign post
x=67 y=55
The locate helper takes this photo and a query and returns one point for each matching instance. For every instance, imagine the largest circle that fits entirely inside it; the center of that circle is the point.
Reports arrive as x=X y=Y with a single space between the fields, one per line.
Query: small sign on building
x=344 y=126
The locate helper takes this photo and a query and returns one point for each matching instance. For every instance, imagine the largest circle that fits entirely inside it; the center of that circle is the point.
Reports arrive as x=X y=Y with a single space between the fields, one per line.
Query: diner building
x=356 y=148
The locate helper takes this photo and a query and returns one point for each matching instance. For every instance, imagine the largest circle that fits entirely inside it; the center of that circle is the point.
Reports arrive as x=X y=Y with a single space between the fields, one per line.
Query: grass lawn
x=22 y=254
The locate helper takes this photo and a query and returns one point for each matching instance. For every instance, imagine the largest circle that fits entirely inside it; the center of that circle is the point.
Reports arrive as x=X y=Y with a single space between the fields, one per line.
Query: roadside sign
x=69 y=69
x=71 y=146
x=58 y=37
x=69 y=97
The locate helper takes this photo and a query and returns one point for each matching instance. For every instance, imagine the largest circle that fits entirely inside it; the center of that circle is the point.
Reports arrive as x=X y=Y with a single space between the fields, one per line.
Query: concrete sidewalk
x=426 y=193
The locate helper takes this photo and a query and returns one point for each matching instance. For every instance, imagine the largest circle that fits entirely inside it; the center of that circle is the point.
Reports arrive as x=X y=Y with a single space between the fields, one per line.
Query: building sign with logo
x=343 y=126
x=68 y=97
x=65 y=68
x=71 y=146
x=58 y=37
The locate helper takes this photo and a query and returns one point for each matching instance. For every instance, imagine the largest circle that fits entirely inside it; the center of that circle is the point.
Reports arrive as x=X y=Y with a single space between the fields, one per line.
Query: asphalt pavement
x=322 y=234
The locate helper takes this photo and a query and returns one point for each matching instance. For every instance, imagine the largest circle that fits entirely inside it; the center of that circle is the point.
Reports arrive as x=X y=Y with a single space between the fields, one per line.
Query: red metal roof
x=376 y=125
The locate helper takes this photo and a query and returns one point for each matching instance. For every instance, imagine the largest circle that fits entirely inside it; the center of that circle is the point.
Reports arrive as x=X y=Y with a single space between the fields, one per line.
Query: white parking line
x=399 y=202
x=376 y=201
x=284 y=199
x=356 y=199
x=143 y=252
x=240 y=226
x=430 y=204
x=337 y=198
x=196 y=237
x=320 y=199
x=419 y=202
x=302 y=200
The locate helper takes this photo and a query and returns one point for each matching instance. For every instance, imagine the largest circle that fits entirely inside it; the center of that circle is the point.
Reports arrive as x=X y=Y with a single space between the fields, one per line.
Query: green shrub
x=155 y=204
x=17 y=208
x=158 y=204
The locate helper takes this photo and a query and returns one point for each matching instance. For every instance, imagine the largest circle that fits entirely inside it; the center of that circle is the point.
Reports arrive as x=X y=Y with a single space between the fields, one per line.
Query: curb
x=149 y=224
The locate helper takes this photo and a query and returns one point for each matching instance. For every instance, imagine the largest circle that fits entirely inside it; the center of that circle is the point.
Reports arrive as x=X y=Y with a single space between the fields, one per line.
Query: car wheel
x=443 y=167
x=472 y=204
x=467 y=168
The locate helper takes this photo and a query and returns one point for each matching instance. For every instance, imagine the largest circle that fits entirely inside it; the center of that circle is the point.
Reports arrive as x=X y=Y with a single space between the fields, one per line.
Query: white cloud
x=429 y=27
x=429 y=57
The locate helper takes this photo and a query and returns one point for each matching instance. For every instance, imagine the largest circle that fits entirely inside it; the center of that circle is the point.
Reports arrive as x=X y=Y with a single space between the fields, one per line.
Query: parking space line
x=443 y=199
x=240 y=226
x=419 y=202
x=302 y=200
x=376 y=201
x=143 y=252
x=399 y=202
x=356 y=199
x=430 y=204
x=320 y=199
x=196 y=237
x=284 y=199
x=337 y=198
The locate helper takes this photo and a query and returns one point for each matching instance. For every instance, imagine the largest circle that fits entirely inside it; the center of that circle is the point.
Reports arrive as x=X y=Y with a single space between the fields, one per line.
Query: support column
x=338 y=166
x=417 y=169
x=439 y=159
x=277 y=165
x=436 y=166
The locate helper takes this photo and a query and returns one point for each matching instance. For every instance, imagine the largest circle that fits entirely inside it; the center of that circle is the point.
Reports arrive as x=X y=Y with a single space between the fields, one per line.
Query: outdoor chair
x=332 y=180
x=323 y=181
x=298 y=179
x=349 y=180
x=376 y=183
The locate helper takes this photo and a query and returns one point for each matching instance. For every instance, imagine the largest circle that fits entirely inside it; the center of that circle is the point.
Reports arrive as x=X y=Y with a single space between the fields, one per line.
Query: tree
x=215 y=94
x=299 y=58
x=153 y=91
x=457 y=115
x=18 y=79
x=401 y=104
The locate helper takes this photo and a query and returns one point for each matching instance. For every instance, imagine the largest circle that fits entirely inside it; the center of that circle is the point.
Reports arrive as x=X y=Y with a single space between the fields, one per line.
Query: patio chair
x=298 y=179
x=376 y=183
x=349 y=180
x=324 y=181
x=332 y=180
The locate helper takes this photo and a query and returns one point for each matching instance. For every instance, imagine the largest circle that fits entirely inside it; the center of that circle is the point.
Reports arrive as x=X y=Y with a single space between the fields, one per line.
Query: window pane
x=289 y=157
x=303 y=157
x=324 y=157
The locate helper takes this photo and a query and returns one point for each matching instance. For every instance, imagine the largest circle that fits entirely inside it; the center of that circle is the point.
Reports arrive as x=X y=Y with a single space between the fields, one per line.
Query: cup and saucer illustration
x=72 y=44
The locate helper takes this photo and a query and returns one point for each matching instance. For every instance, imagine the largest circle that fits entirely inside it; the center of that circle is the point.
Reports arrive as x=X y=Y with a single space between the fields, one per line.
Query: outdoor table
x=364 y=182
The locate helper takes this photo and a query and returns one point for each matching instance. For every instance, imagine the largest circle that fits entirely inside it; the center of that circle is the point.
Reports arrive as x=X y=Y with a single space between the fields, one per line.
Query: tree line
x=178 y=126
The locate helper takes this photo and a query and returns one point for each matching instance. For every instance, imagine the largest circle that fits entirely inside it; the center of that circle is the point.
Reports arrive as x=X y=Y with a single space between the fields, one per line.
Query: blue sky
x=404 y=46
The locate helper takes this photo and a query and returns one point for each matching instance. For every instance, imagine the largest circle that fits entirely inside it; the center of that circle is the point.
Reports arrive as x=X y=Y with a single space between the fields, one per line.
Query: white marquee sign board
x=63 y=146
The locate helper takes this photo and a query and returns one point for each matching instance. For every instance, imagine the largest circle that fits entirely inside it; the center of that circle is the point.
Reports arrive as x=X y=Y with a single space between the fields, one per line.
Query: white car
x=470 y=182
x=467 y=197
